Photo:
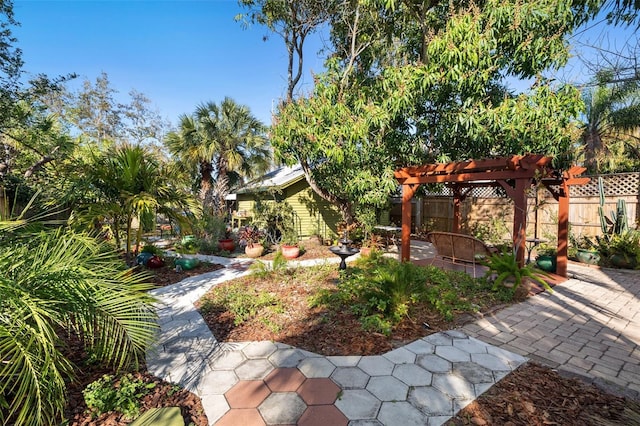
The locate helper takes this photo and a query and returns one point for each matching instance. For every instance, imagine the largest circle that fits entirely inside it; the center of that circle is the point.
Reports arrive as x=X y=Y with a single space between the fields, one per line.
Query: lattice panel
x=619 y=184
x=480 y=192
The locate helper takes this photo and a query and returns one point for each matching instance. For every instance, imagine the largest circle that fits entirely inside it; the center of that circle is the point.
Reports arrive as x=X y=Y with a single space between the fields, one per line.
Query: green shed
x=313 y=215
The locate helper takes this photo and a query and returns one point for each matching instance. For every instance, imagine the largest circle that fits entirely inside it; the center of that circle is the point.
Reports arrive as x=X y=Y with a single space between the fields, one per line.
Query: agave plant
x=57 y=281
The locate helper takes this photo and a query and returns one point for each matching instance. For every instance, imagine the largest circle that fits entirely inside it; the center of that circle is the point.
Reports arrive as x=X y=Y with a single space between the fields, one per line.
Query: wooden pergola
x=516 y=174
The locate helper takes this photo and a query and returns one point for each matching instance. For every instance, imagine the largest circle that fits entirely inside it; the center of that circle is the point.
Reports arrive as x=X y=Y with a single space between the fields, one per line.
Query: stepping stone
x=167 y=416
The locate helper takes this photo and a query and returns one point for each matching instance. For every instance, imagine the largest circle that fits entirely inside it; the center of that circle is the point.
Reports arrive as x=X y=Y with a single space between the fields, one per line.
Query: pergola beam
x=515 y=174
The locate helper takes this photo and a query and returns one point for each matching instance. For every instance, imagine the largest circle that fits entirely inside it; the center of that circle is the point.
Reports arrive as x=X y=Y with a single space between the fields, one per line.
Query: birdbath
x=343 y=250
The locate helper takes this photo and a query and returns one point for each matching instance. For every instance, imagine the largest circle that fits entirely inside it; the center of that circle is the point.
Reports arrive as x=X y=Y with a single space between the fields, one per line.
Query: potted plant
x=622 y=250
x=586 y=251
x=373 y=243
x=509 y=273
x=226 y=242
x=251 y=237
x=547 y=257
x=289 y=245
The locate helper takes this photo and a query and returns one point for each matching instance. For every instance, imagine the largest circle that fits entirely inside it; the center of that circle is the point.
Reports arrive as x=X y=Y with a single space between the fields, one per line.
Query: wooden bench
x=459 y=248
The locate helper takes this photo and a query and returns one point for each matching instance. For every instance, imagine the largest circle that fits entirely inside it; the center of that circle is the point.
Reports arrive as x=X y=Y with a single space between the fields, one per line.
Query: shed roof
x=279 y=178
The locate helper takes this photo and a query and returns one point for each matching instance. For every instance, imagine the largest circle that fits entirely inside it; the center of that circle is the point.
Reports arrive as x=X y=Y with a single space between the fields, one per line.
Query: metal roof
x=279 y=178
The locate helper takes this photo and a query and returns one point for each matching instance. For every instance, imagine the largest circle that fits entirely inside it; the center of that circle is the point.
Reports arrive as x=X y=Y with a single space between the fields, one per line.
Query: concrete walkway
x=584 y=327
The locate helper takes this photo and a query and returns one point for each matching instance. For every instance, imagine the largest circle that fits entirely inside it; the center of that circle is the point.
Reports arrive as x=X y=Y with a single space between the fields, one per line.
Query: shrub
x=382 y=291
x=243 y=301
x=110 y=394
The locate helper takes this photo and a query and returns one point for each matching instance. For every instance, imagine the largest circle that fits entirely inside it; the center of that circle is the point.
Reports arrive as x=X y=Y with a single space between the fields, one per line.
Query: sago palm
x=57 y=281
x=226 y=142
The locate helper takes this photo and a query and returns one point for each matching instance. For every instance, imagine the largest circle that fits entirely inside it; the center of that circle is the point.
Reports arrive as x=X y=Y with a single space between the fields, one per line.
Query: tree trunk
x=592 y=147
x=205 y=183
x=344 y=206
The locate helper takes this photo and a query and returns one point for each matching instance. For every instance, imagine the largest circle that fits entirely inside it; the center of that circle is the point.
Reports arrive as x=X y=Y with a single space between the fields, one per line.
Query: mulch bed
x=163 y=395
x=535 y=395
x=166 y=276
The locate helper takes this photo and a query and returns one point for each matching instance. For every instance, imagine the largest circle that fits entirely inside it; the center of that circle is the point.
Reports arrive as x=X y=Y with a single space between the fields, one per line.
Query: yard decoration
x=155 y=262
x=143 y=258
x=187 y=263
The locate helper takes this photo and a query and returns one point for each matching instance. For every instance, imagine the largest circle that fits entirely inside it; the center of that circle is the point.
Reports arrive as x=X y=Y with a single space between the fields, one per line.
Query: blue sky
x=182 y=53
x=178 y=53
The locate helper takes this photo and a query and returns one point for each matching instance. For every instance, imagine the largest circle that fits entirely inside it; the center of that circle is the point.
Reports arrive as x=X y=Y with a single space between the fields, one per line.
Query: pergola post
x=563 y=230
x=520 y=219
x=407 y=195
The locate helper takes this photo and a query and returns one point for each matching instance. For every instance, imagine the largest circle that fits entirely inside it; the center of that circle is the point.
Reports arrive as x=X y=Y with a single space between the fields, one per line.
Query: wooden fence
x=488 y=209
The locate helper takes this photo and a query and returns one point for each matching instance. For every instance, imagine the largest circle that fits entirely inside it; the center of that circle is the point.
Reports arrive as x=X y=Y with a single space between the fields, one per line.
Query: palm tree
x=57 y=281
x=224 y=141
x=612 y=120
x=130 y=182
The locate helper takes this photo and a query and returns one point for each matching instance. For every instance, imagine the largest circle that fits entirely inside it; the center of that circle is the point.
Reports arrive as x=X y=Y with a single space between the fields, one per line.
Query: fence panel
x=490 y=209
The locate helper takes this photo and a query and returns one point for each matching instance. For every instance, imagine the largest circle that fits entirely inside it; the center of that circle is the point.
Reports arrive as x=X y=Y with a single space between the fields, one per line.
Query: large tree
x=611 y=128
x=225 y=143
x=441 y=99
x=293 y=21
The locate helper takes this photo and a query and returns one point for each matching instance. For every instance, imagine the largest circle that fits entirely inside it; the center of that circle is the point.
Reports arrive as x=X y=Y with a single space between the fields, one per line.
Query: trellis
x=515 y=174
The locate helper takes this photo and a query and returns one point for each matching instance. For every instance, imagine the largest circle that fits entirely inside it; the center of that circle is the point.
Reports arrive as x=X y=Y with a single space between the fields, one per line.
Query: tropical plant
x=612 y=117
x=128 y=182
x=57 y=281
x=505 y=268
x=223 y=141
x=250 y=235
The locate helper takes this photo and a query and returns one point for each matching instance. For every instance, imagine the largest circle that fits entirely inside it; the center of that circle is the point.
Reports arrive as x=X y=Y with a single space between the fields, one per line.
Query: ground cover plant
x=376 y=305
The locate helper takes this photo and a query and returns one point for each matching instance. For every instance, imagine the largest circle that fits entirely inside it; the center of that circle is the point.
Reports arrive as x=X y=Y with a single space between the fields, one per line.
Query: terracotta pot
x=290 y=252
x=227 y=244
x=254 y=250
x=365 y=251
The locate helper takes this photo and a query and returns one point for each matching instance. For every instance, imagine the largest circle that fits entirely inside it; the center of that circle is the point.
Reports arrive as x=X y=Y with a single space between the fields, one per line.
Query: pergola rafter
x=515 y=174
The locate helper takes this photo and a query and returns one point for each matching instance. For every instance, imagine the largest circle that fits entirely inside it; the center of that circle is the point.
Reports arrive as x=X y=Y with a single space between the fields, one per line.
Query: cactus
x=618 y=223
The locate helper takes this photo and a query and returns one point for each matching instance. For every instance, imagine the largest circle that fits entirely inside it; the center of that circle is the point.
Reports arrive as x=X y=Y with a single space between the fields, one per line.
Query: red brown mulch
x=165 y=276
x=535 y=395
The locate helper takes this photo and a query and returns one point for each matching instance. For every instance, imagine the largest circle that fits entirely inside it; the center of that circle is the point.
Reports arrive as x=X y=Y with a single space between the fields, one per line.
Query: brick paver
x=589 y=326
